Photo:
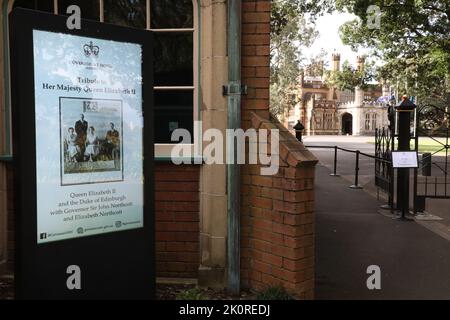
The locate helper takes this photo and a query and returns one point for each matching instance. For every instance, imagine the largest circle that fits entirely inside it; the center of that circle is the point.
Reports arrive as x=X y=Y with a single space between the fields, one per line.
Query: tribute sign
x=80 y=141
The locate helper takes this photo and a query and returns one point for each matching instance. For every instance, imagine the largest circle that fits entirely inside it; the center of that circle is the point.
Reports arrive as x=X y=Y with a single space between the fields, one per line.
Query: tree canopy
x=412 y=40
x=292 y=27
x=289 y=31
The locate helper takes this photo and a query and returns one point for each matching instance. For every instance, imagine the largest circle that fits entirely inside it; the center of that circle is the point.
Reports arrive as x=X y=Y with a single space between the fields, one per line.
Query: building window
x=90 y=9
x=319 y=121
x=328 y=121
x=174 y=23
x=374 y=121
x=367 y=125
x=41 y=5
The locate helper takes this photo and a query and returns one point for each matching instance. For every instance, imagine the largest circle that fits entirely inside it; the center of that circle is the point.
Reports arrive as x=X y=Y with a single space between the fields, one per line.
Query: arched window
x=176 y=52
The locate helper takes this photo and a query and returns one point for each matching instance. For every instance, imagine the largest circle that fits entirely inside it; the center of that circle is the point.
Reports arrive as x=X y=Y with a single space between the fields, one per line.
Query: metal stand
x=404 y=218
x=335 y=174
x=356 y=185
x=404 y=111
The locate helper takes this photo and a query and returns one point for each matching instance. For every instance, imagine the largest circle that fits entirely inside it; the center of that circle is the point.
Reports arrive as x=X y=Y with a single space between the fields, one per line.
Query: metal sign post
x=404 y=111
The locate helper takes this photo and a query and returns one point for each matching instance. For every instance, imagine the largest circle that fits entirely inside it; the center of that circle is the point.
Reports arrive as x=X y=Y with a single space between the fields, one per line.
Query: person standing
x=81 y=129
x=113 y=142
x=92 y=145
x=299 y=127
x=73 y=150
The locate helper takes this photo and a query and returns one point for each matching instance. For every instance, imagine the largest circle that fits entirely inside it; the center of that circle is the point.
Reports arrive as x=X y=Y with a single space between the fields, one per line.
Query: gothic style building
x=328 y=111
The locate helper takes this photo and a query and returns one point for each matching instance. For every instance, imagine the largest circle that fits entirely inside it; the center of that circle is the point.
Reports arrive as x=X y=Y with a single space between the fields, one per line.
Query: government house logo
x=91 y=50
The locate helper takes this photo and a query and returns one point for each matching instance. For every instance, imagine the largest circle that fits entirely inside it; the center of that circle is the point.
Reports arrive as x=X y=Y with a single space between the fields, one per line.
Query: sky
x=329 y=40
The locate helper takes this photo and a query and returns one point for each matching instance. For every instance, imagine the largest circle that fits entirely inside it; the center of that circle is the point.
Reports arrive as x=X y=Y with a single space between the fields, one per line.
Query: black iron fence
x=358 y=154
x=431 y=179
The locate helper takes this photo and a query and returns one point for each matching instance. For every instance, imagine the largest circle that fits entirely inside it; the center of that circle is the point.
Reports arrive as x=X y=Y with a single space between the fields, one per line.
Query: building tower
x=359 y=100
x=359 y=93
x=360 y=62
x=336 y=62
x=335 y=66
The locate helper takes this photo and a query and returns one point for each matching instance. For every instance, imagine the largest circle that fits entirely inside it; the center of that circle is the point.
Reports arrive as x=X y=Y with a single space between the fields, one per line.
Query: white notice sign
x=405 y=159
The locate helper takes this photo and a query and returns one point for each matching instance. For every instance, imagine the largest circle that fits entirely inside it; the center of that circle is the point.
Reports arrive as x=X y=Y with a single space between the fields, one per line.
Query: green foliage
x=290 y=30
x=192 y=295
x=275 y=294
x=349 y=78
x=413 y=41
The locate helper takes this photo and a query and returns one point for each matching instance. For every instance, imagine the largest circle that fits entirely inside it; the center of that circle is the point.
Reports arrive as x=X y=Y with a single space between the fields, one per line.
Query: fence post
x=335 y=174
x=356 y=185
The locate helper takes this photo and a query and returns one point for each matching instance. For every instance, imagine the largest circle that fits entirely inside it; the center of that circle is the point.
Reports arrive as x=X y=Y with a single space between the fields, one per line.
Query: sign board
x=84 y=190
x=405 y=159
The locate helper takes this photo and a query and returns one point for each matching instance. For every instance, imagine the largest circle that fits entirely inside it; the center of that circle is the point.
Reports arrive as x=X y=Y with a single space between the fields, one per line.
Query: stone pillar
x=213 y=182
x=336 y=62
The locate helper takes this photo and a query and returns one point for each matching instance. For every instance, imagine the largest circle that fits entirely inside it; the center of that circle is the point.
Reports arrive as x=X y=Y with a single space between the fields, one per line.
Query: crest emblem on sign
x=91 y=50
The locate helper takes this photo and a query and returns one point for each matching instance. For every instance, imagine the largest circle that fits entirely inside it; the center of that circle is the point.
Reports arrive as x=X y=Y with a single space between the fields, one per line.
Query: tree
x=412 y=40
x=349 y=78
x=292 y=27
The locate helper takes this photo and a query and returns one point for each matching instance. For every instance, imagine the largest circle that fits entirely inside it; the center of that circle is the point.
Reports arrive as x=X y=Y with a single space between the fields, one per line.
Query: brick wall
x=177 y=220
x=255 y=59
x=278 y=219
x=278 y=211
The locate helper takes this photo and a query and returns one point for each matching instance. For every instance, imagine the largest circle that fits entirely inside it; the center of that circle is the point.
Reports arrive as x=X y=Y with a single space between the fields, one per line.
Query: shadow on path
x=351 y=236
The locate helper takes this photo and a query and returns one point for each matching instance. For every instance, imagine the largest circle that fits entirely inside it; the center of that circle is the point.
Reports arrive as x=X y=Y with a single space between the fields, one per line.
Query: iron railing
x=358 y=155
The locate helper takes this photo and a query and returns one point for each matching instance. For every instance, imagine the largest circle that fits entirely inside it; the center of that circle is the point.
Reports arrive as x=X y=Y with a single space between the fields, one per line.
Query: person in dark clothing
x=113 y=142
x=391 y=117
x=299 y=127
x=81 y=129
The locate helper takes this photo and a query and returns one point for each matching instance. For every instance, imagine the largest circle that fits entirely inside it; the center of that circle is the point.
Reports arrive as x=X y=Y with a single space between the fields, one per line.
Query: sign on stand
x=84 y=159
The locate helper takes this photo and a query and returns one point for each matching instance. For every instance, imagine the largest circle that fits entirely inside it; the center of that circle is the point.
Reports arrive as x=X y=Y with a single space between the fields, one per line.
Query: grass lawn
x=428 y=145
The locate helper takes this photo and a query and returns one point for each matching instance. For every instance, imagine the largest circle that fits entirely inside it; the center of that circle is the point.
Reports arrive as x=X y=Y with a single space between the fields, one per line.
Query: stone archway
x=347 y=124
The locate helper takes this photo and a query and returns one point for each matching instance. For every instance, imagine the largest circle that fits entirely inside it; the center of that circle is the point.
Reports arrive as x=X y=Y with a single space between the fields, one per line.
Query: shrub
x=275 y=293
x=192 y=295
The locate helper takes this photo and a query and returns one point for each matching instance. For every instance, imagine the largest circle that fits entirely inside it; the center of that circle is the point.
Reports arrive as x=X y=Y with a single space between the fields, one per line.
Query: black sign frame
x=118 y=265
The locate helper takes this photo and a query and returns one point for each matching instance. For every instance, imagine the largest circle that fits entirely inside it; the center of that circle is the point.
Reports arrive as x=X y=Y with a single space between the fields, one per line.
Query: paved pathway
x=351 y=236
x=346 y=168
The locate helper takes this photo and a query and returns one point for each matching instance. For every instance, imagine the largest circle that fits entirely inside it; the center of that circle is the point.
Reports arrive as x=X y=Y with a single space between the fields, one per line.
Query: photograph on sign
x=405 y=159
x=91 y=140
x=89 y=136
